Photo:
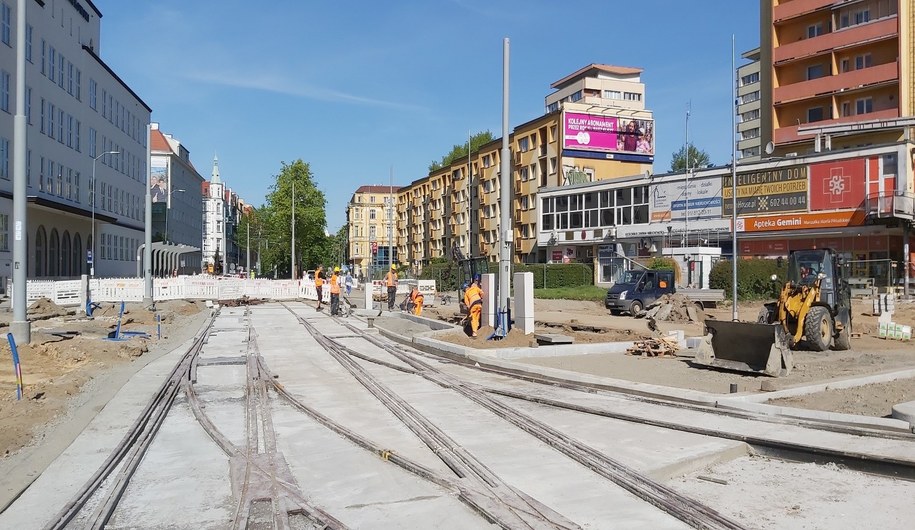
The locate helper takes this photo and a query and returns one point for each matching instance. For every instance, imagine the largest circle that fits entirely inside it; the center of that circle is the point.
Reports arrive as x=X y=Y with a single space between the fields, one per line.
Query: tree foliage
x=459 y=152
x=272 y=223
x=697 y=158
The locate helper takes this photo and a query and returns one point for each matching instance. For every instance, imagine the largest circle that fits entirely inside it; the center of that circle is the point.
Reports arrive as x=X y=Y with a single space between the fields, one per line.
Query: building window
x=814 y=114
x=863 y=61
x=5 y=91
x=815 y=71
x=4 y=158
x=864 y=106
x=613 y=94
x=815 y=30
x=4 y=232
x=750 y=133
x=576 y=96
x=524 y=144
x=890 y=164
x=632 y=96
x=93 y=88
x=6 y=20
x=372 y=214
x=749 y=98
x=28 y=43
x=749 y=79
x=749 y=115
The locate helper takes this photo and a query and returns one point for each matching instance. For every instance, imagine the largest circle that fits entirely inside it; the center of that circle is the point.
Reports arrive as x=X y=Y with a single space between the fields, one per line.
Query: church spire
x=215 y=178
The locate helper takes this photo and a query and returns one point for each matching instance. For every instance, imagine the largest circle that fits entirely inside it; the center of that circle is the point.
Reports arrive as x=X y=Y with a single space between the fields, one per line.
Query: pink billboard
x=608 y=133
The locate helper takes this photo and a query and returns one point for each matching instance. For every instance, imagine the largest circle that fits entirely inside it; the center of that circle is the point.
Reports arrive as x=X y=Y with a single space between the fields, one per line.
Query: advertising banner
x=800 y=221
x=761 y=192
x=593 y=132
x=669 y=199
x=837 y=185
x=158 y=179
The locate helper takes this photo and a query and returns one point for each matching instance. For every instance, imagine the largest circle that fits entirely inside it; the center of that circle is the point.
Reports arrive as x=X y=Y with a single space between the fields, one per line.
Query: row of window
x=749 y=79
x=58 y=69
x=58 y=254
x=596 y=209
x=67 y=128
x=620 y=95
x=848 y=108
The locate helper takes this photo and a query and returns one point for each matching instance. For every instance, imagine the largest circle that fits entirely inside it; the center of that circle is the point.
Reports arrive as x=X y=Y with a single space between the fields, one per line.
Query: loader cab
x=805 y=266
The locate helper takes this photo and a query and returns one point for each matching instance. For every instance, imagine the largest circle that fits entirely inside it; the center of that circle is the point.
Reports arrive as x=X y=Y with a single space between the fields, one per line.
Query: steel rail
x=131 y=448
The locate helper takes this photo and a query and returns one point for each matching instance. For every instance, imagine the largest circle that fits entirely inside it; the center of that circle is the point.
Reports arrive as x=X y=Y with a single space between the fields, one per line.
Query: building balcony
x=891 y=204
x=874 y=75
x=784 y=135
x=796 y=8
x=826 y=43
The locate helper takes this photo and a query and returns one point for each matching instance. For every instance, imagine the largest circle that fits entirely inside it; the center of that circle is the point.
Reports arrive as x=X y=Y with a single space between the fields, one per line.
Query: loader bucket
x=746 y=347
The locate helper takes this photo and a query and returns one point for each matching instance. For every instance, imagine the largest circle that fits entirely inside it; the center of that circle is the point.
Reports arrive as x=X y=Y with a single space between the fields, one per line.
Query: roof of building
x=610 y=69
x=158 y=142
x=378 y=189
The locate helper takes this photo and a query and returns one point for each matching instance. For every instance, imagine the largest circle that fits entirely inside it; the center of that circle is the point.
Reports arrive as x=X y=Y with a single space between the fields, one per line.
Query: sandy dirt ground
x=69 y=352
x=591 y=322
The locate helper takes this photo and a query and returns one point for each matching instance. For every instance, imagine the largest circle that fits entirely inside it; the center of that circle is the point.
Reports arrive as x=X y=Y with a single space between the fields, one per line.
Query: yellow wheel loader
x=813 y=312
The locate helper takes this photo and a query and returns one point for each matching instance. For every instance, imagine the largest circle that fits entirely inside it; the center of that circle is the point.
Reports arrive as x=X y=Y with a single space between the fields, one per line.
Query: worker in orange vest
x=416 y=298
x=335 y=292
x=319 y=285
x=390 y=280
x=473 y=299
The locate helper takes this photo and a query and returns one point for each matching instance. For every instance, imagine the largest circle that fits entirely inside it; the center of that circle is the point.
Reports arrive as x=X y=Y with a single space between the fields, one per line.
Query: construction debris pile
x=673 y=308
x=655 y=347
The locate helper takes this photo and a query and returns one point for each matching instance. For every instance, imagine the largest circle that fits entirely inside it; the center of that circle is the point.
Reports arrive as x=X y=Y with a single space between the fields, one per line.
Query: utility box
x=695 y=264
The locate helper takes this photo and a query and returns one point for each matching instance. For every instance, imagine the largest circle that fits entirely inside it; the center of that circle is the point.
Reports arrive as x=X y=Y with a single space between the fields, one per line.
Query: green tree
x=697 y=158
x=312 y=246
x=459 y=152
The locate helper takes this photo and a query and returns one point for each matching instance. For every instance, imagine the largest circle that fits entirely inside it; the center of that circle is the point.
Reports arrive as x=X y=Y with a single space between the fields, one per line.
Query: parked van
x=637 y=289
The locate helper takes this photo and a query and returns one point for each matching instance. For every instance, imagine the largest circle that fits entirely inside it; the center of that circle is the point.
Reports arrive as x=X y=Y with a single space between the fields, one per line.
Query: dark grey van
x=637 y=289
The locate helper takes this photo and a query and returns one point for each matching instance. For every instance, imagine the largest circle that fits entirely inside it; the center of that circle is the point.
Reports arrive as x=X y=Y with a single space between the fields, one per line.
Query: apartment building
x=595 y=127
x=82 y=119
x=748 y=108
x=375 y=235
x=176 y=196
x=837 y=75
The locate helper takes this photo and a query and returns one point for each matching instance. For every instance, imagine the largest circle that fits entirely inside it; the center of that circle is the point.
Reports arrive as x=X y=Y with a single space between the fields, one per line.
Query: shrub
x=553 y=275
x=753 y=278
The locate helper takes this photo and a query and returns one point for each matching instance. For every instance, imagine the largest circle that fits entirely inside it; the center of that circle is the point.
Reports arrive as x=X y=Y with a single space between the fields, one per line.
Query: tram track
x=666 y=499
x=858 y=460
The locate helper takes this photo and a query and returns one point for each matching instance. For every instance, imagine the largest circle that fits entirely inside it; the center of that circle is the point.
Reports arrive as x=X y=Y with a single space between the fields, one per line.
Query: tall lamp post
x=94 y=199
x=167 y=208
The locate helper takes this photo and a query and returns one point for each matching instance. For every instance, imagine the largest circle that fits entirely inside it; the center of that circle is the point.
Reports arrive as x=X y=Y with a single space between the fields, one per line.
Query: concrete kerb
x=502 y=360
x=905 y=412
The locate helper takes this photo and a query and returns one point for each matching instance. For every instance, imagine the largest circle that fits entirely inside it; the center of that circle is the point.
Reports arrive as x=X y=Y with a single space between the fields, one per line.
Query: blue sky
x=358 y=88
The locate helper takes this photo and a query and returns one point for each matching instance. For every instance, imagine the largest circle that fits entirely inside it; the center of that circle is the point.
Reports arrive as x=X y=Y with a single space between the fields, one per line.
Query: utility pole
x=248 y=243
x=20 y=327
x=734 y=177
x=147 y=224
x=689 y=106
x=391 y=221
x=292 y=244
x=505 y=183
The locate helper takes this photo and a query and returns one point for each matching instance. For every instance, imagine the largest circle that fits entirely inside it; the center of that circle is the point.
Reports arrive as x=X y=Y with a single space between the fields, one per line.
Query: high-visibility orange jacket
x=391 y=279
x=334 y=284
x=319 y=281
x=472 y=295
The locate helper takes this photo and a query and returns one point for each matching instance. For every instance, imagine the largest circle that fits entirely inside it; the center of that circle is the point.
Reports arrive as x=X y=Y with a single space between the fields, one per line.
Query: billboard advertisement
x=837 y=185
x=158 y=179
x=594 y=132
x=669 y=199
x=769 y=191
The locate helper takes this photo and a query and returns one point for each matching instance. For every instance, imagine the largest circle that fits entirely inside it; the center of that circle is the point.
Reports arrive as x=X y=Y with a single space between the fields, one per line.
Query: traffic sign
x=374 y=247
x=89 y=257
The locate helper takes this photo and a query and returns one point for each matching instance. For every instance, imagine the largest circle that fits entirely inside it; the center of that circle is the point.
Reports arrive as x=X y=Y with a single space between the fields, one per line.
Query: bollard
x=158 y=326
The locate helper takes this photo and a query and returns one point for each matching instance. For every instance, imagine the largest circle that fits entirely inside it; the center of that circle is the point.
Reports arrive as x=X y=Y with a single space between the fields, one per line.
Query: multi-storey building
x=748 y=108
x=82 y=119
x=835 y=75
x=372 y=222
x=214 y=223
x=595 y=127
x=176 y=201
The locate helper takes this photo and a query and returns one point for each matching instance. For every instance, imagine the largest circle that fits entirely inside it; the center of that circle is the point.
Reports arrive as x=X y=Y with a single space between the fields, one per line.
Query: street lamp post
x=94 y=199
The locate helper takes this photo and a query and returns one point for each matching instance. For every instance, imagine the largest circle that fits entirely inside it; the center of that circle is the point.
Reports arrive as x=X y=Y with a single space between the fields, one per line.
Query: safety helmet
x=393 y=267
x=336 y=269
x=476 y=277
